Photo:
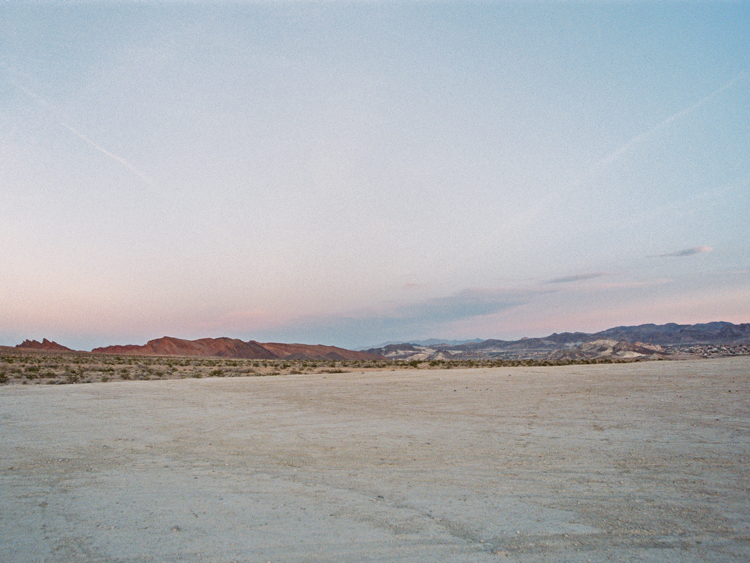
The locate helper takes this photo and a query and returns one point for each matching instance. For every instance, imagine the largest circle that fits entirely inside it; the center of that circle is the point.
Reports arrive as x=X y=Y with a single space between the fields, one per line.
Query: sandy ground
x=636 y=462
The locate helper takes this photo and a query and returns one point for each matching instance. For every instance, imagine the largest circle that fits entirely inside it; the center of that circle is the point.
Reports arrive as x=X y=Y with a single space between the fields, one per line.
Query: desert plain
x=644 y=461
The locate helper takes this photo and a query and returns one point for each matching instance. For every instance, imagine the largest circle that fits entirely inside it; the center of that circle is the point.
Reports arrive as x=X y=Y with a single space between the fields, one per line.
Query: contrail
x=612 y=157
x=531 y=212
x=113 y=156
x=54 y=111
x=615 y=155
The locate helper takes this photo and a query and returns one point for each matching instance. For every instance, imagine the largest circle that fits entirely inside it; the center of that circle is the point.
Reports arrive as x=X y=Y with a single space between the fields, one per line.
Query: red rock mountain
x=168 y=346
x=43 y=345
x=235 y=348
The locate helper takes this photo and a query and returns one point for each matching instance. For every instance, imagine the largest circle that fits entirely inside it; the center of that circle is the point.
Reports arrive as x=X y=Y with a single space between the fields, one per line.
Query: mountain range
x=218 y=347
x=559 y=345
x=621 y=341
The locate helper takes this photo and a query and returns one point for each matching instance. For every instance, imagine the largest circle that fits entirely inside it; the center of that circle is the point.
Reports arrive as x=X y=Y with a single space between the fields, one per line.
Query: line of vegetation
x=65 y=367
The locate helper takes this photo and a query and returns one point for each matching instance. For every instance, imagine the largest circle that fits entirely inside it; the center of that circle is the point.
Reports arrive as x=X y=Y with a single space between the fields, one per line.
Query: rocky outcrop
x=43 y=345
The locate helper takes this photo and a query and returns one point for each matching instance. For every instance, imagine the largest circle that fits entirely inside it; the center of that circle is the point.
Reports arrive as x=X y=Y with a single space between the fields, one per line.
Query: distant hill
x=317 y=351
x=671 y=333
x=601 y=349
x=235 y=348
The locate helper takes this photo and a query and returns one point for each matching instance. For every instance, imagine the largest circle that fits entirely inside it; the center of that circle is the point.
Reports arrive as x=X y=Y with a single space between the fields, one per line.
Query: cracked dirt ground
x=634 y=462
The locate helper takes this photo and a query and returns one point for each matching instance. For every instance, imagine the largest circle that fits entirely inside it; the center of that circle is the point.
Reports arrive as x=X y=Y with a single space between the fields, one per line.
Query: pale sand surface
x=636 y=462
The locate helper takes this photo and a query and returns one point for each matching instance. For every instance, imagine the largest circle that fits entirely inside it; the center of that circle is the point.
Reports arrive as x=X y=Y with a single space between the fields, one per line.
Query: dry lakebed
x=643 y=461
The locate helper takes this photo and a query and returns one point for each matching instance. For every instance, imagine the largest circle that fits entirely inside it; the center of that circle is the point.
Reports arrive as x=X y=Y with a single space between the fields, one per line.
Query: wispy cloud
x=687 y=252
x=467 y=303
x=632 y=284
x=577 y=278
x=421 y=319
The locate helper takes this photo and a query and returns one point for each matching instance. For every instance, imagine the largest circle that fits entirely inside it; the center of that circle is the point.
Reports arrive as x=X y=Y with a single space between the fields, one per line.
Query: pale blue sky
x=352 y=173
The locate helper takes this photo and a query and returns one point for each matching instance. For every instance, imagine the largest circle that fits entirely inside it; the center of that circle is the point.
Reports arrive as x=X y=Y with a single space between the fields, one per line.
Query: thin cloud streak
x=579 y=277
x=687 y=252
x=631 y=284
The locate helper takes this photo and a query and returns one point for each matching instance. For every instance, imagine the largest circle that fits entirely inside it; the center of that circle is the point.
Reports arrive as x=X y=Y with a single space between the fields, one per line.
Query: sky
x=353 y=173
